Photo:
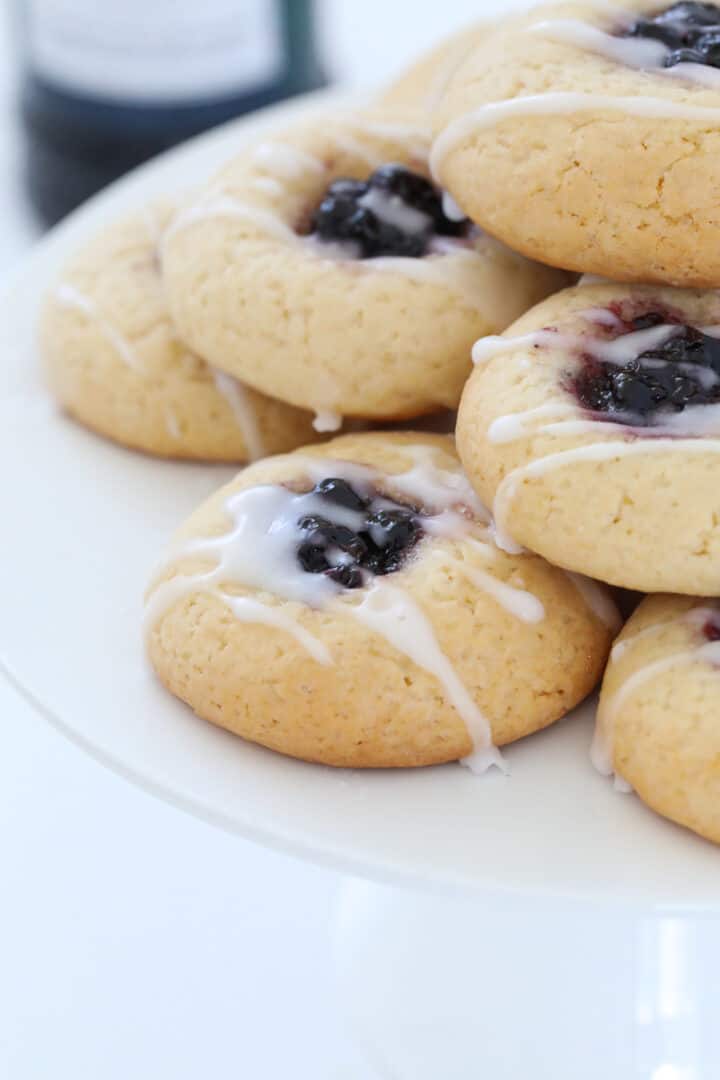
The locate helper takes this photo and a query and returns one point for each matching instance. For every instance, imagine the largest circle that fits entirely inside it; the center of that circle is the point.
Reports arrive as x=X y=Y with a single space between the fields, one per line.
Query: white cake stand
x=537 y=925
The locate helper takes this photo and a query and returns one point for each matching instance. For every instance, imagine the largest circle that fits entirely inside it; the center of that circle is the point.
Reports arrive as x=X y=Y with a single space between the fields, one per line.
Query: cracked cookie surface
x=603 y=161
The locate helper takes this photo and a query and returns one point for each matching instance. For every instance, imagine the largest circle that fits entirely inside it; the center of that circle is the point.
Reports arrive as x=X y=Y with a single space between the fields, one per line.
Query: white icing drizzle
x=696 y=616
x=458 y=273
x=452 y=245
x=694 y=422
x=702 y=74
x=599 y=315
x=70 y=297
x=415 y=139
x=332 y=250
x=644 y=54
x=598 y=599
x=269 y=185
x=233 y=391
x=450 y=208
x=636 y=52
x=168 y=593
x=522 y=604
x=236 y=395
x=602 y=748
x=285 y=160
x=437 y=488
x=621 y=647
x=259 y=552
x=504 y=541
x=604 y=451
x=252 y=611
x=619 y=350
x=560 y=103
x=370 y=155
x=389 y=611
x=326 y=421
x=223 y=206
x=391 y=210
x=172 y=424
x=570 y=428
x=514 y=426
x=488 y=348
x=404 y=133
x=563 y=418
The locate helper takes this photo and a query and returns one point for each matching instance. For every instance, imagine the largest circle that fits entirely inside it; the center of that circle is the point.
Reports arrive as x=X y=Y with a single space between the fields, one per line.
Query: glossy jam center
x=361 y=534
x=394 y=212
x=684 y=371
x=690 y=31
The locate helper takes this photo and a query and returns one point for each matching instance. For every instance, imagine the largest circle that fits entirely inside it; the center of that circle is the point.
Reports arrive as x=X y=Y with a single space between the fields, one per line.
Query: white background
x=135 y=942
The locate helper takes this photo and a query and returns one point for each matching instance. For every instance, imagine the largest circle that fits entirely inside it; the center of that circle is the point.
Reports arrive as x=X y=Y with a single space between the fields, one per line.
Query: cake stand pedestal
x=436 y=988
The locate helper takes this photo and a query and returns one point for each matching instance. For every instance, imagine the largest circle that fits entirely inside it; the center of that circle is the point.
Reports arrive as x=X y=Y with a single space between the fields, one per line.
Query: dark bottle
x=106 y=84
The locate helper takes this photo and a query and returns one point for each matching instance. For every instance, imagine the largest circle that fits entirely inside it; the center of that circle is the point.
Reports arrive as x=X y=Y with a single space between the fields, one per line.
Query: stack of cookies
x=383 y=599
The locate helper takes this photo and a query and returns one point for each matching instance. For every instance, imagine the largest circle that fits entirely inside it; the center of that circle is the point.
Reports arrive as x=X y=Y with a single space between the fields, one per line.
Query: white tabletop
x=136 y=942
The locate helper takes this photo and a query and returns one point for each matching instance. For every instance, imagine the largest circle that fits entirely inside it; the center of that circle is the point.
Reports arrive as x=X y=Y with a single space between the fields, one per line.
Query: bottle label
x=157 y=51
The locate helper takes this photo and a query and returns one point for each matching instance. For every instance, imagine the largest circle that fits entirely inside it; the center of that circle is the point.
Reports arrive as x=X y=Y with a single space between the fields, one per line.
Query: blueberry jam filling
x=684 y=371
x=394 y=212
x=383 y=535
x=690 y=31
x=711 y=629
